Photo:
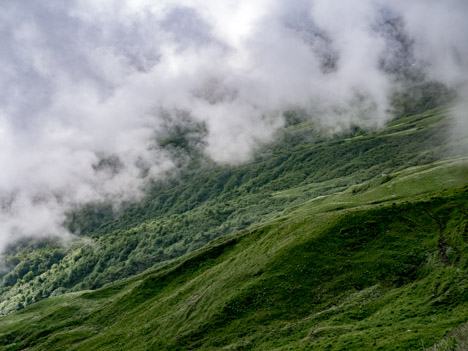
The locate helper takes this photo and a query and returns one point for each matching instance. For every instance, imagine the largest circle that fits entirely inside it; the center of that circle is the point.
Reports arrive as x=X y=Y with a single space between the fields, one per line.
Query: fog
x=86 y=81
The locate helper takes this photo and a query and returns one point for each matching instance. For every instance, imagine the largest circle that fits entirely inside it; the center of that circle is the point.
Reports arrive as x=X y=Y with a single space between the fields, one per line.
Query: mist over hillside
x=88 y=88
x=236 y=175
x=351 y=242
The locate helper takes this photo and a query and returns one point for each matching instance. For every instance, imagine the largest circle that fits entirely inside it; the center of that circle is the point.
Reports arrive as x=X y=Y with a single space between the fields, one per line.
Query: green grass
x=366 y=277
x=206 y=201
x=318 y=243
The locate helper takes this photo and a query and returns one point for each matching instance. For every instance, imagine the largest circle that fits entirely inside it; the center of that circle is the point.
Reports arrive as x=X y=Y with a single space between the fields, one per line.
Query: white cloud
x=83 y=80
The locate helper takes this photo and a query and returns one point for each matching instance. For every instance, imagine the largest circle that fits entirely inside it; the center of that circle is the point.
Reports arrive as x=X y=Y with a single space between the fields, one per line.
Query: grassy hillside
x=205 y=201
x=352 y=241
x=347 y=271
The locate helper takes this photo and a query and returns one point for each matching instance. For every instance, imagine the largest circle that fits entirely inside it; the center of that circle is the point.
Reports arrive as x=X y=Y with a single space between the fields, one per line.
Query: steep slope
x=350 y=241
x=206 y=201
x=389 y=275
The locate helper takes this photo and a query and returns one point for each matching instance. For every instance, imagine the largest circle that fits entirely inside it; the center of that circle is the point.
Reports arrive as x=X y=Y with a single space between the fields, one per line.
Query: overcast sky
x=85 y=80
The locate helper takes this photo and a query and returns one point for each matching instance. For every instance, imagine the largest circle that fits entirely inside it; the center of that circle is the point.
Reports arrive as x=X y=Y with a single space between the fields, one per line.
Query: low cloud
x=86 y=87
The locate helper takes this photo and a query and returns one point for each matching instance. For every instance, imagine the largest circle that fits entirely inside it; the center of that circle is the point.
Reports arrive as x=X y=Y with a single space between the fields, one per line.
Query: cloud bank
x=82 y=82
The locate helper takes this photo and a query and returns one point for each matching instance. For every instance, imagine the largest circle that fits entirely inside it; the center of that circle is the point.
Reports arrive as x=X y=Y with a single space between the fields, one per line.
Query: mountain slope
x=206 y=201
x=334 y=242
x=384 y=276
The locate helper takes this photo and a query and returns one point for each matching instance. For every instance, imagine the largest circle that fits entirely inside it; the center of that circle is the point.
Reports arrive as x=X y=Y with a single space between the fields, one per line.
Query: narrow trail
x=442 y=243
